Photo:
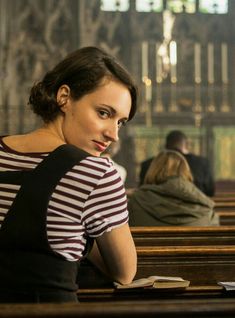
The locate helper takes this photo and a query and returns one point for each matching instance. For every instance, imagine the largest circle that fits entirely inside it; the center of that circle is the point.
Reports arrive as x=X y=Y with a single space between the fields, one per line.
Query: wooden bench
x=201 y=265
x=228 y=206
x=225 y=208
x=225 y=193
x=161 y=308
x=225 y=186
x=224 y=198
x=227 y=218
x=141 y=294
x=202 y=255
x=183 y=235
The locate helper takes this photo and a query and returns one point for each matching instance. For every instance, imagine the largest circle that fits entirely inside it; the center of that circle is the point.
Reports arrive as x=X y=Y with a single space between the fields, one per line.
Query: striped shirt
x=89 y=200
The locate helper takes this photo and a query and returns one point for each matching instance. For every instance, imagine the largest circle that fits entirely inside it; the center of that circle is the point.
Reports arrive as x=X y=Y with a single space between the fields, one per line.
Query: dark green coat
x=174 y=202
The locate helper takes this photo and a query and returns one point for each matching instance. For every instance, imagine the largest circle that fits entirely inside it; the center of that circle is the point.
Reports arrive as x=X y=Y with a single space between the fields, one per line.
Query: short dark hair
x=83 y=71
x=175 y=139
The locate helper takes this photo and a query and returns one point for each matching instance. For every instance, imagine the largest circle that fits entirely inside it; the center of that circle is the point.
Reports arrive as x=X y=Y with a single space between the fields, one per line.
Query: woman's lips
x=100 y=146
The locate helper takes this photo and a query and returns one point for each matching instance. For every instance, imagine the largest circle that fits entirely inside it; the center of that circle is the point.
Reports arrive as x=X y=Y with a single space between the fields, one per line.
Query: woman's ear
x=63 y=95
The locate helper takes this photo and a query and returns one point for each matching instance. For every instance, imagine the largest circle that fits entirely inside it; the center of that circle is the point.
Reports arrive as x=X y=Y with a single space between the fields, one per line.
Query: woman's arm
x=114 y=254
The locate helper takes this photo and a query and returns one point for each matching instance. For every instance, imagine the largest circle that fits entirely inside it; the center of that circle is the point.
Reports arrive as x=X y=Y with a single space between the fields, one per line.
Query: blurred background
x=180 y=52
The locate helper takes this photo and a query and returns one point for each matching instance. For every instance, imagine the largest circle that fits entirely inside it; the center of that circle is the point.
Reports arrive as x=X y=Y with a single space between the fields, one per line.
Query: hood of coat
x=176 y=201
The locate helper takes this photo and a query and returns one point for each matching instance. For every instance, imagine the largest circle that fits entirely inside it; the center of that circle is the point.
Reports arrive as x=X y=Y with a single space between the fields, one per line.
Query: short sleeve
x=106 y=206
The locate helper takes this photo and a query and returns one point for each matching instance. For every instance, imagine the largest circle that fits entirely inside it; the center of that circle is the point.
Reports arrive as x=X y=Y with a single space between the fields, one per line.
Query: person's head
x=177 y=140
x=168 y=163
x=90 y=94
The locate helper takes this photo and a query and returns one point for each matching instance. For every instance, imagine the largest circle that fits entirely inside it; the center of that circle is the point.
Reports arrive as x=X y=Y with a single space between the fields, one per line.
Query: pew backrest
x=180 y=235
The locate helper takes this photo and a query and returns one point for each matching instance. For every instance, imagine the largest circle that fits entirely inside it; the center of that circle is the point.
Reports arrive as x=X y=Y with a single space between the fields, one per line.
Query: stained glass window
x=178 y=6
x=213 y=6
x=148 y=5
x=115 y=5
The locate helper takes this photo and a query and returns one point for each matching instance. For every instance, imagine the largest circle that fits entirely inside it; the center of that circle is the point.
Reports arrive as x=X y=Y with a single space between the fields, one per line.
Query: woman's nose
x=111 y=132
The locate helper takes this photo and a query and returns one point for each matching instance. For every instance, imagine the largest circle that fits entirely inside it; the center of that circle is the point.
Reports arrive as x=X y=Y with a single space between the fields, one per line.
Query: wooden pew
x=225 y=193
x=141 y=294
x=187 y=252
x=227 y=218
x=183 y=235
x=228 y=206
x=225 y=208
x=225 y=186
x=224 y=198
x=203 y=255
x=201 y=265
x=161 y=308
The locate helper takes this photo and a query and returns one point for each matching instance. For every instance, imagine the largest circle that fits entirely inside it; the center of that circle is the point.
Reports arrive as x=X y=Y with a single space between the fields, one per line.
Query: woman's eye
x=104 y=113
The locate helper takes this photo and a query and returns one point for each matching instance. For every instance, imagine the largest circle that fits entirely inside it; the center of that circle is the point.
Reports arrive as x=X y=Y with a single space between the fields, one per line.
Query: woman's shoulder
x=189 y=189
x=179 y=183
x=94 y=168
x=98 y=163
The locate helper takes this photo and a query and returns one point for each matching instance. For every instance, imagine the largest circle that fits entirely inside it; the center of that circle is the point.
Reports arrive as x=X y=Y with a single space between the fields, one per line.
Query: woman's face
x=93 y=122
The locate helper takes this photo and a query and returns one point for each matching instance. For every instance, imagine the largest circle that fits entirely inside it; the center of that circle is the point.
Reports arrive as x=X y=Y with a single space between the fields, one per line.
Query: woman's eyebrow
x=113 y=111
x=110 y=108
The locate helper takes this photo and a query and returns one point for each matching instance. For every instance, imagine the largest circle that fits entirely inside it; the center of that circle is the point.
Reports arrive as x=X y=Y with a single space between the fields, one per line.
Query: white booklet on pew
x=227 y=285
x=156 y=282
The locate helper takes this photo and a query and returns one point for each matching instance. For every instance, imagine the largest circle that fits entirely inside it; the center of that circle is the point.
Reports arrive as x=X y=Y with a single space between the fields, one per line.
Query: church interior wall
x=182 y=62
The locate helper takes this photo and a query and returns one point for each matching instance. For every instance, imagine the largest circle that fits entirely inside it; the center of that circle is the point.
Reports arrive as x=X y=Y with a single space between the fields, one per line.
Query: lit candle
x=210 y=56
x=224 y=63
x=197 y=62
x=158 y=63
x=148 y=90
x=173 y=61
x=144 y=60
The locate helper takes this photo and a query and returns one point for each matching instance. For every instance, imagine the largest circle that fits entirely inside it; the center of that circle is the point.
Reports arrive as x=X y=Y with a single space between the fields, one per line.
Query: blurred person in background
x=199 y=165
x=169 y=196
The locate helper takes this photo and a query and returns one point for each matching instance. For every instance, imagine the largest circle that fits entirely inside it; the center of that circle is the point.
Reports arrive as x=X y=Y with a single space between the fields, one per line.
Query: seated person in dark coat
x=200 y=167
x=169 y=197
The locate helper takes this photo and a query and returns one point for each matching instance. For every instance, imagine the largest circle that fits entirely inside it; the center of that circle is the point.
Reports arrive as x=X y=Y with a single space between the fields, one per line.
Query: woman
x=53 y=197
x=169 y=197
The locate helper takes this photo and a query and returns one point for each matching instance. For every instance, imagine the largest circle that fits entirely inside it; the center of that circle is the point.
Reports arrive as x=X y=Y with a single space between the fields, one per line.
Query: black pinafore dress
x=30 y=271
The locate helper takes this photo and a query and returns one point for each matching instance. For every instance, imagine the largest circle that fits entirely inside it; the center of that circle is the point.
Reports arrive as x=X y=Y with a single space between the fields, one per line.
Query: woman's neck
x=44 y=139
